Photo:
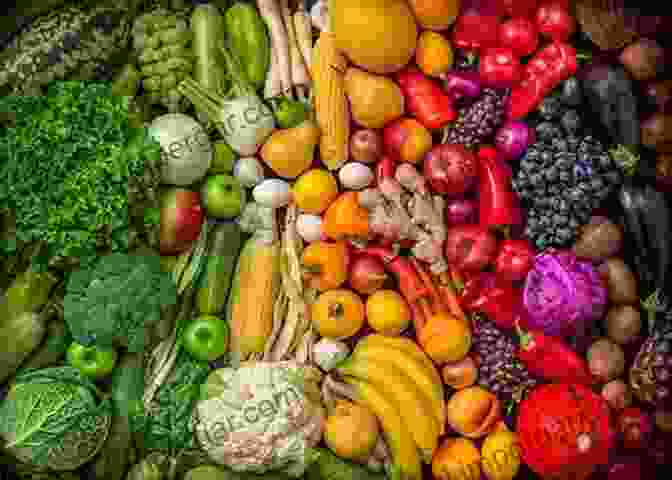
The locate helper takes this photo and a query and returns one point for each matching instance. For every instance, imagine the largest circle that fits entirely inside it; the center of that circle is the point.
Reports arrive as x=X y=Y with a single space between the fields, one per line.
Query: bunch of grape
x=477 y=123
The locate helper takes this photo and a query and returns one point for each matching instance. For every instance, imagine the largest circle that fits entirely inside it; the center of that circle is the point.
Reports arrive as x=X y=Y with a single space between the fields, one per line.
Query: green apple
x=223 y=196
x=223 y=159
x=206 y=338
x=93 y=362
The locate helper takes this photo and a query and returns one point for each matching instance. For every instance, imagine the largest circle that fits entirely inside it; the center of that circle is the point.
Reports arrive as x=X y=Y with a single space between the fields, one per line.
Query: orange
x=338 y=313
x=387 y=312
x=314 y=191
x=435 y=14
x=445 y=338
x=434 y=54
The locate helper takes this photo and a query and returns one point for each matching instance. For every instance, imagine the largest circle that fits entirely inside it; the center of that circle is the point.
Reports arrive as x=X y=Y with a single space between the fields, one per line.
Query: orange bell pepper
x=346 y=218
x=325 y=264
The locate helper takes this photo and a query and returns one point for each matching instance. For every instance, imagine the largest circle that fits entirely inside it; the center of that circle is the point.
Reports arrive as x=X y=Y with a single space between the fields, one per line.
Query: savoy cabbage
x=116 y=299
x=54 y=418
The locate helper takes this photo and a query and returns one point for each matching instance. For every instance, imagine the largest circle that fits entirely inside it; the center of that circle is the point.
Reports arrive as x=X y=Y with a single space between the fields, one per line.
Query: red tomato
x=500 y=68
x=554 y=21
x=518 y=8
x=520 y=35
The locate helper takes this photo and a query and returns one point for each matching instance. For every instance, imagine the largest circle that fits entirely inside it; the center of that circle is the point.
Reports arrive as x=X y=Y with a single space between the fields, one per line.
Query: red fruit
x=181 y=220
x=520 y=35
x=516 y=8
x=450 y=169
x=470 y=247
x=367 y=274
x=564 y=431
x=635 y=427
x=554 y=21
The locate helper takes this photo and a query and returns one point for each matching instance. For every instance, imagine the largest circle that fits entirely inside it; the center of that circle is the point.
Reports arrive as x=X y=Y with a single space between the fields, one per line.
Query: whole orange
x=338 y=313
x=445 y=338
x=387 y=312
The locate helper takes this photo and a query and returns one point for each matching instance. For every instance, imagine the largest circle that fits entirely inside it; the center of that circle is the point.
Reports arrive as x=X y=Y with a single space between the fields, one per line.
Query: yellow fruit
x=314 y=191
x=434 y=54
x=457 y=459
x=387 y=312
x=351 y=431
x=375 y=100
x=378 y=35
x=435 y=14
x=445 y=338
x=338 y=313
x=500 y=455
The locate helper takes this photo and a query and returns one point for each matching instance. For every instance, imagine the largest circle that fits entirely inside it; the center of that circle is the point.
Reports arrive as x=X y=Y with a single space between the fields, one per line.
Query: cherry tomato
x=518 y=8
x=520 y=35
x=554 y=21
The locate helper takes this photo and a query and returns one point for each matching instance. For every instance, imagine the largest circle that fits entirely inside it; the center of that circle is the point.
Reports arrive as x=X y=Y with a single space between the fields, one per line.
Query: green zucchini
x=215 y=284
x=249 y=41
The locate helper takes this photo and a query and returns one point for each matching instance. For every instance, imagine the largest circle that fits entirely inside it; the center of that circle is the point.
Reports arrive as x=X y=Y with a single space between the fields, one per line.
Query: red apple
x=450 y=169
x=181 y=220
x=470 y=247
x=407 y=140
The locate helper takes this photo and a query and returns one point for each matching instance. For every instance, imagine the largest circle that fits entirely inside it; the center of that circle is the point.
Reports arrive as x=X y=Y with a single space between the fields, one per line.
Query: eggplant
x=610 y=94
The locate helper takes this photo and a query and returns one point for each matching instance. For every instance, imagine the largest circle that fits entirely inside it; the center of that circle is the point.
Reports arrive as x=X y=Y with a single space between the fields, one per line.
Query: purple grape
x=662 y=374
x=662 y=392
x=658 y=360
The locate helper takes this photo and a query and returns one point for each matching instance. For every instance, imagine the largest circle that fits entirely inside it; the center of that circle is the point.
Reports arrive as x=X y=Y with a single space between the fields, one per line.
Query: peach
x=407 y=140
x=473 y=412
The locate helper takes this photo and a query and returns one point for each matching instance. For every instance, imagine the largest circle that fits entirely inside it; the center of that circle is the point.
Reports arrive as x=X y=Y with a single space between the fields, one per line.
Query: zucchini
x=215 y=284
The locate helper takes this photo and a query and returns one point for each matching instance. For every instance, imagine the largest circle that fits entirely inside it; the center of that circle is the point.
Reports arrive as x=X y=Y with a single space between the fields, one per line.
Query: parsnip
x=304 y=35
x=300 y=78
x=271 y=14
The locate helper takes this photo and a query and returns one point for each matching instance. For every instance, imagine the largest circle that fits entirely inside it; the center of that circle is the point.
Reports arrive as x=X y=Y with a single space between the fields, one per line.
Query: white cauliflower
x=261 y=417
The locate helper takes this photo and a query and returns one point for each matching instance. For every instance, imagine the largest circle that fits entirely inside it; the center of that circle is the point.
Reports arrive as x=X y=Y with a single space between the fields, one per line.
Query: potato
x=624 y=322
x=621 y=281
x=606 y=360
x=599 y=239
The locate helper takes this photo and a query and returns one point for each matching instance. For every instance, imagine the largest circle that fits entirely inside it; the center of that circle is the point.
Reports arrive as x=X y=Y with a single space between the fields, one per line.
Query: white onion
x=309 y=227
x=327 y=353
x=273 y=192
x=355 y=176
x=249 y=171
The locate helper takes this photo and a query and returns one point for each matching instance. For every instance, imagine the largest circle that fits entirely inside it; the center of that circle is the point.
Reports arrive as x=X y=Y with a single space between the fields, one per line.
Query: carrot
x=449 y=296
x=270 y=12
x=437 y=302
x=419 y=319
x=457 y=279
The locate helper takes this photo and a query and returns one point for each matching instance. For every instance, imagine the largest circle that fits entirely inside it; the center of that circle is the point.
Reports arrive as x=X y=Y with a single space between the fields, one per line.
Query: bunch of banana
x=399 y=383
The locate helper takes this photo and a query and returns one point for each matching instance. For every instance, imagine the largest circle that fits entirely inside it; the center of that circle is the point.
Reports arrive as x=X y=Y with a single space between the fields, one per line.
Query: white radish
x=273 y=193
x=309 y=227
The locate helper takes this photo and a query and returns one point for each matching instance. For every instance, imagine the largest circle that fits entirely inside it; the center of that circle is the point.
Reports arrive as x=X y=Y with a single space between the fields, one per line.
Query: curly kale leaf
x=47 y=404
x=116 y=299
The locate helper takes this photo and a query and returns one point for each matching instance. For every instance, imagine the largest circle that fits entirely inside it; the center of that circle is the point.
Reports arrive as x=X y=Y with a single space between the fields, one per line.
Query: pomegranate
x=565 y=431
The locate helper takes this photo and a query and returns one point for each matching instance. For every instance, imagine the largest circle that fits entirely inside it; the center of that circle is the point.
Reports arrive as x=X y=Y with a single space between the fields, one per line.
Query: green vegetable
x=127 y=81
x=65 y=169
x=215 y=283
x=116 y=299
x=223 y=159
x=207 y=27
x=93 y=362
x=330 y=467
x=169 y=424
x=290 y=113
x=212 y=472
x=57 y=339
x=249 y=40
x=54 y=417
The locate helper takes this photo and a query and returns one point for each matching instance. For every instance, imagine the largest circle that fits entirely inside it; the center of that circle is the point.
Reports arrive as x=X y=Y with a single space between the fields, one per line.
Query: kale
x=65 y=166
x=113 y=301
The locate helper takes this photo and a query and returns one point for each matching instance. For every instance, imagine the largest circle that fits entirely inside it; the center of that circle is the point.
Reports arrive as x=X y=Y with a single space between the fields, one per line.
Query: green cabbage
x=54 y=418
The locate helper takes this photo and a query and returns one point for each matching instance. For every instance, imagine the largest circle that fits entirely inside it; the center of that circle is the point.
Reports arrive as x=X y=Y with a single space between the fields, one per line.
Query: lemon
x=315 y=190
x=500 y=455
x=387 y=312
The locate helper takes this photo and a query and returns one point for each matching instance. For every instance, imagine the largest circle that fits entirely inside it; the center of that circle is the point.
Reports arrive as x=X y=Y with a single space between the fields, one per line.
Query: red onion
x=460 y=211
x=450 y=169
x=462 y=86
x=513 y=138
x=367 y=274
x=658 y=95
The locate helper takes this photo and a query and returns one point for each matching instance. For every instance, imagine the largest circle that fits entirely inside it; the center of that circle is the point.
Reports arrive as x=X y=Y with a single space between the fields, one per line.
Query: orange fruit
x=387 y=312
x=435 y=14
x=314 y=191
x=338 y=313
x=445 y=338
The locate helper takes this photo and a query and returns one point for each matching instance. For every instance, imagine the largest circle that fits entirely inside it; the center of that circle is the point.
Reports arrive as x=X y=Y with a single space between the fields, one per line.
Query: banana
x=408 y=357
x=415 y=408
x=404 y=452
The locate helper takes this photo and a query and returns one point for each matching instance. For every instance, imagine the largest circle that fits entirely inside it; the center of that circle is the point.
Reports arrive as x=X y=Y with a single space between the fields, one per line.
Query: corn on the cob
x=331 y=105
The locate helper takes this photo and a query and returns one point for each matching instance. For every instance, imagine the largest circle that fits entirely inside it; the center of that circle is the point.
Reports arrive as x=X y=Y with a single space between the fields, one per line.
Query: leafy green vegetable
x=328 y=466
x=65 y=166
x=114 y=300
x=53 y=417
x=169 y=426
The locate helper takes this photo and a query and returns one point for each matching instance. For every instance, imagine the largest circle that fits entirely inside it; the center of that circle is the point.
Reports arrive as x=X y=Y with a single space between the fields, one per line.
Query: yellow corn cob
x=256 y=284
x=328 y=67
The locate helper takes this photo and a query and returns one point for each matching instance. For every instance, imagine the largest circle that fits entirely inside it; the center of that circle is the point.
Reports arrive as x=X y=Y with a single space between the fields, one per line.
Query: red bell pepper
x=549 y=358
x=425 y=99
x=495 y=297
x=514 y=260
x=549 y=67
x=475 y=31
x=498 y=205
x=499 y=67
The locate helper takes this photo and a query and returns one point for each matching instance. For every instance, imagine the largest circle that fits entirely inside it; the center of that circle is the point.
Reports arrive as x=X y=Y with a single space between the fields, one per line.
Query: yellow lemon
x=500 y=455
x=387 y=312
x=315 y=190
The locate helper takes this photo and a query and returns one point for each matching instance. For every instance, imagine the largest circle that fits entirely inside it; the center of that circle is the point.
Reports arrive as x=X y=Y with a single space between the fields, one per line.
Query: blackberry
x=547 y=131
x=478 y=122
x=571 y=92
x=571 y=122
x=499 y=370
x=550 y=108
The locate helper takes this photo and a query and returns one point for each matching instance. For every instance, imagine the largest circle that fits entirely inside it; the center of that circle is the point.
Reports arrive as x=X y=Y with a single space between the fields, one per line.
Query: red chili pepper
x=495 y=297
x=554 y=21
x=514 y=260
x=385 y=168
x=498 y=205
x=410 y=284
x=425 y=99
x=551 y=65
x=474 y=31
x=499 y=67
x=550 y=359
